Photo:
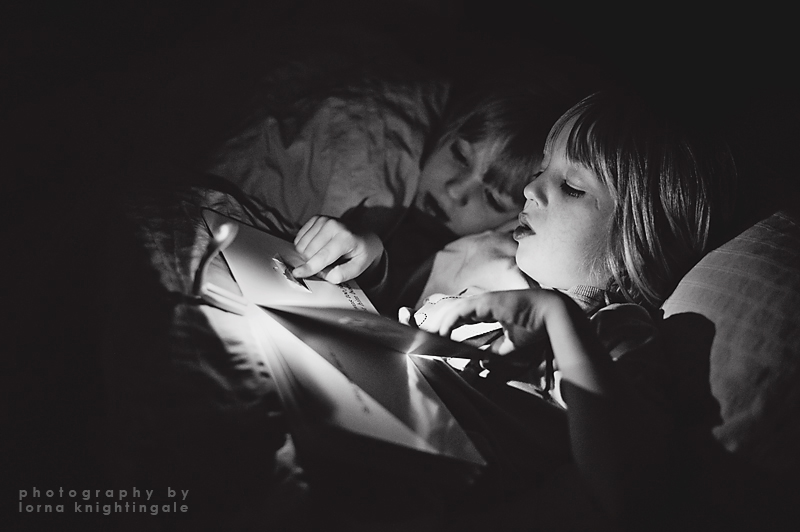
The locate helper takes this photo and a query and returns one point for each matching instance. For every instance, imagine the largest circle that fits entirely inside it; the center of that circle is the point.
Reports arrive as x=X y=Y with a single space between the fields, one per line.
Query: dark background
x=735 y=66
x=84 y=85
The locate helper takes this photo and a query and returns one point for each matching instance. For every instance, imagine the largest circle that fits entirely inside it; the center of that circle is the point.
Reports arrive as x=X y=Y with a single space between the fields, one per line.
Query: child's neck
x=589 y=298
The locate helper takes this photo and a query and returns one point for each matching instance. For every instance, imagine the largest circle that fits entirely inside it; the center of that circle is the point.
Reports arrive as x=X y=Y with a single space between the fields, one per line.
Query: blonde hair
x=671 y=185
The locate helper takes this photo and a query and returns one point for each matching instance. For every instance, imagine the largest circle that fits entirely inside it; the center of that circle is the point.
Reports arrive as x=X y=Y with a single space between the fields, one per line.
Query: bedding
x=189 y=400
x=749 y=288
x=355 y=150
x=745 y=294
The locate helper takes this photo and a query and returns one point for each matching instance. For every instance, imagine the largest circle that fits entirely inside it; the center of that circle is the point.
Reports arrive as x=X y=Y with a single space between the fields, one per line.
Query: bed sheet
x=326 y=137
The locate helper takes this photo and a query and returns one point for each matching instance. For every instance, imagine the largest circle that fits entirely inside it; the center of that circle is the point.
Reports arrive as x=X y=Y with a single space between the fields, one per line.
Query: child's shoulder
x=624 y=327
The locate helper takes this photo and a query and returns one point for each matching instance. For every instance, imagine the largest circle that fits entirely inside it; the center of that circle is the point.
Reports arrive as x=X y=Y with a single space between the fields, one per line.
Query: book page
x=261 y=264
x=358 y=387
x=322 y=394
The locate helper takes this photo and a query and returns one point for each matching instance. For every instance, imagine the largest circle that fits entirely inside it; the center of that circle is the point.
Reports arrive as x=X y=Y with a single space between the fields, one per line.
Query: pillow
x=749 y=288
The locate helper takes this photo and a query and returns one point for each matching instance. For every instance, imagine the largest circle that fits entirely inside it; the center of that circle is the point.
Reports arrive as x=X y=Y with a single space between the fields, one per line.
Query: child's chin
x=521 y=265
x=526 y=267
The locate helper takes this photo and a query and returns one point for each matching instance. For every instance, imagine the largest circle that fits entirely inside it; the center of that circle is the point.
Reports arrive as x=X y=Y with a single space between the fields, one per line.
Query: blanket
x=308 y=148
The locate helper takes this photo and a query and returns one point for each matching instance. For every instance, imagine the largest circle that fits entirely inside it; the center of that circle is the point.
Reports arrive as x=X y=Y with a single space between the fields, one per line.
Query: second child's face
x=564 y=226
x=454 y=189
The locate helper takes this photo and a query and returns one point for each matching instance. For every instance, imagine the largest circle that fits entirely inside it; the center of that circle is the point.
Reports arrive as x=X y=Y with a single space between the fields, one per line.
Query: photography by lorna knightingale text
x=105 y=502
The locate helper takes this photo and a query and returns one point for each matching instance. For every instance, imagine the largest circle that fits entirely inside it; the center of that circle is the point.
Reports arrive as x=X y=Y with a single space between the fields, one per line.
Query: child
x=625 y=204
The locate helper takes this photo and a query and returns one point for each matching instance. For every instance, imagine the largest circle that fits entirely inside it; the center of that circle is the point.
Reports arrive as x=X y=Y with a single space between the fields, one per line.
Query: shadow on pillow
x=749 y=288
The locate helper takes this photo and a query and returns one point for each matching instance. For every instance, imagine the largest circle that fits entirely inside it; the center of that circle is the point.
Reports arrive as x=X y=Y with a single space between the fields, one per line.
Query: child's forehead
x=489 y=147
x=563 y=130
x=558 y=138
x=504 y=168
x=576 y=140
x=488 y=138
x=492 y=146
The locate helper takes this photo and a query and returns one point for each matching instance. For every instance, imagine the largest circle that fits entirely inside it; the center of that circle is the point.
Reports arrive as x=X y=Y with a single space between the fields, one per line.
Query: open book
x=347 y=377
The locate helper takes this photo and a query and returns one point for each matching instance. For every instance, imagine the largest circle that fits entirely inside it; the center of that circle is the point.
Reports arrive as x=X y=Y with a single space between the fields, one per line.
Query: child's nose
x=534 y=191
x=463 y=186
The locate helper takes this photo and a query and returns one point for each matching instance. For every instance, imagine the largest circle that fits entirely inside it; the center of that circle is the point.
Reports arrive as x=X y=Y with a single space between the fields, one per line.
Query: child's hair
x=672 y=187
x=517 y=118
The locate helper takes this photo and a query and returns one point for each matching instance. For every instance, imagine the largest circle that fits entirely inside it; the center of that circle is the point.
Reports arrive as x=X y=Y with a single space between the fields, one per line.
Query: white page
x=409 y=413
x=257 y=261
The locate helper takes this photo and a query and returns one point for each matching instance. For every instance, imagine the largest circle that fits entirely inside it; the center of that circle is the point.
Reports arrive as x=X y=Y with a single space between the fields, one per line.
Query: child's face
x=453 y=188
x=563 y=231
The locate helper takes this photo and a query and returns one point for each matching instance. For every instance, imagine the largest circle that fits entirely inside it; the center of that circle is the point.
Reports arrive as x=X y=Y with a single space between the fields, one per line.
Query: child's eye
x=570 y=191
x=494 y=200
x=458 y=154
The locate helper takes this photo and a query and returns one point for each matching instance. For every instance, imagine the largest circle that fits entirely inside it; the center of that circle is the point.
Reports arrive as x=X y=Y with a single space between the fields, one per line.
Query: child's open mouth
x=432 y=207
x=523 y=230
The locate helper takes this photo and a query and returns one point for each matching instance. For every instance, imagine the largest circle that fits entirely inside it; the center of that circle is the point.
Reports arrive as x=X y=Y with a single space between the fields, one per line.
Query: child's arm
x=525 y=315
x=335 y=252
x=610 y=439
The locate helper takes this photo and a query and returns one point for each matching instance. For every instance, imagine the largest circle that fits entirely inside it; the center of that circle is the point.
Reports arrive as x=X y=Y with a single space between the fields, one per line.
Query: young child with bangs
x=626 y=202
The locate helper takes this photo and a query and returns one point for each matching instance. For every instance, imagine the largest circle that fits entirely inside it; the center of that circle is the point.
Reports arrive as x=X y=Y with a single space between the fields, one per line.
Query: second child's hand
x=527 y=315
x=336 y=253
x=519 y=312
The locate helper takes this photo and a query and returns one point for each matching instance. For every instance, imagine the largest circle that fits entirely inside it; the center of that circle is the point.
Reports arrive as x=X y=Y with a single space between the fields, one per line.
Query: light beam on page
x=379 y=329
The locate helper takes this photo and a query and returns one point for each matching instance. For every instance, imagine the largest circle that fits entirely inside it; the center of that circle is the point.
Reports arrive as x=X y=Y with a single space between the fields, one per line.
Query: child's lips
x=523 y=229
x=432 y=207
x=521 y=232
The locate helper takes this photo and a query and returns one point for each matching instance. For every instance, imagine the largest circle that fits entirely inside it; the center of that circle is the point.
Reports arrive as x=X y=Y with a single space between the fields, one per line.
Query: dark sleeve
x=375 y=279
x=411 y=249
x=619 y=440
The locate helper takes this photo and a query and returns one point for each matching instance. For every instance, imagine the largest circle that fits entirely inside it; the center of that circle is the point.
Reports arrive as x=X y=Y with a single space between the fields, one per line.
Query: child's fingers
x=323 y=241
x=333 y=265
x=323 y=252
x=457 y=313
x=405 y=316
x=308 y=233
x=334 y=252
x=329 y=233
x=298 y=238
x=304 y=229
x=339 y=273
x=442 y=314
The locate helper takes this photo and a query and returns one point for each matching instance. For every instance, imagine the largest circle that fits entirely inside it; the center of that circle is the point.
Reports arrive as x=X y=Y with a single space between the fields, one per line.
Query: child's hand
x=520 y=312
x=335 y=252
